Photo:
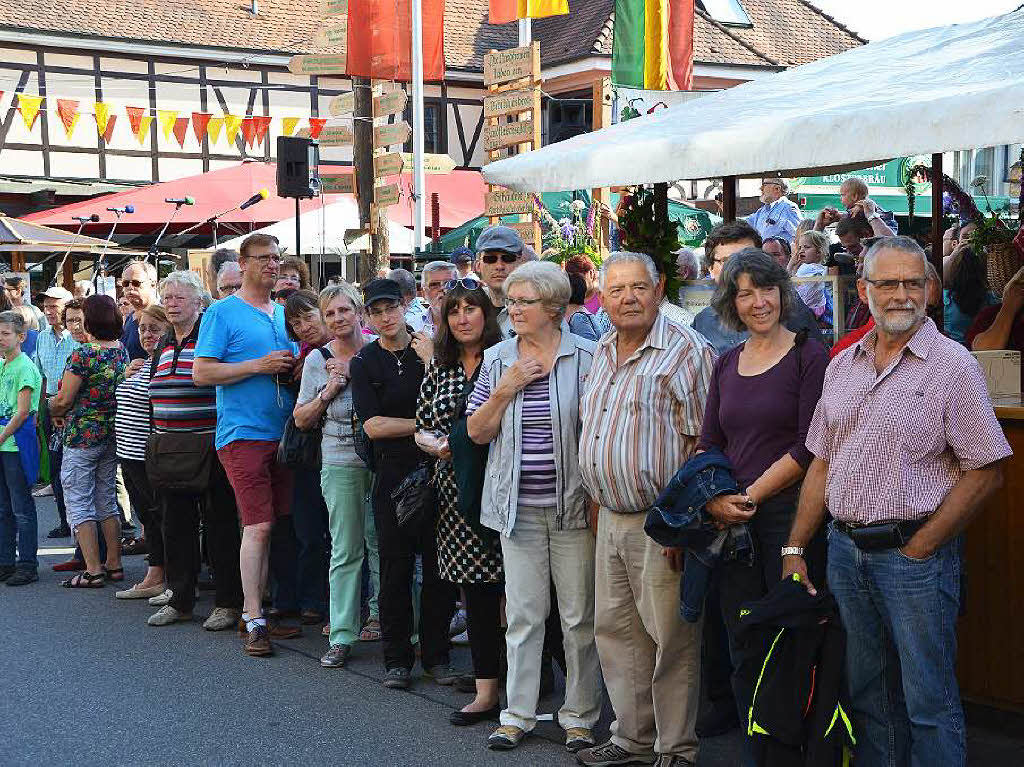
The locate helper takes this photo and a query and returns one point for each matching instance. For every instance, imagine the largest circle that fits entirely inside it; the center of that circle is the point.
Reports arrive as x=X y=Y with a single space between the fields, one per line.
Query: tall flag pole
x=419 y=178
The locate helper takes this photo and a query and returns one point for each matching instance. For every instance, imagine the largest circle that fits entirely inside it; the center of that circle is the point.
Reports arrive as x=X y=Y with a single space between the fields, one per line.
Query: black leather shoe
x=466 y=718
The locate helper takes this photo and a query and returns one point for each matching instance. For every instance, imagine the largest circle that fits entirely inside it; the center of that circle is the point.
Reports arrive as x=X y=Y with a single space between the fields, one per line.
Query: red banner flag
x=67 y=109
x=248 y=131
x=262 y=126
x=380 y=39
x=316 y=124
x=109 y=131
x=180 y=130
x=504 y=11
x=199 y=122
x=135 y=115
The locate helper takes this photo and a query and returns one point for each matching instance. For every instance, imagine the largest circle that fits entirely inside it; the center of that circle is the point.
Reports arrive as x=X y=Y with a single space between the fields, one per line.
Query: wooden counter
x=991 y=657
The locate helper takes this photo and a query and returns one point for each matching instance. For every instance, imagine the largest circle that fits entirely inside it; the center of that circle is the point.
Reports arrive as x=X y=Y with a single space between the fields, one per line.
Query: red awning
x=461 y=198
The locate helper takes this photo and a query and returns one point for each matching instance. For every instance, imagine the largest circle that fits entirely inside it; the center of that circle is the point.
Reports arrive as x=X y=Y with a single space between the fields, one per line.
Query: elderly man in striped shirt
x=907 y=448
x=642 y=412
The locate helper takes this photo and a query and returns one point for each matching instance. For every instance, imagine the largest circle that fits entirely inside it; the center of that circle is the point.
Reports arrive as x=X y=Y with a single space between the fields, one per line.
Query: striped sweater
x=178 y=404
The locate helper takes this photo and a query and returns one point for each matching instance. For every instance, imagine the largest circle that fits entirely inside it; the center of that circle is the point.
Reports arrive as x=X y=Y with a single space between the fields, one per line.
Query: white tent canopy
x=323 y=230
x=929 y=91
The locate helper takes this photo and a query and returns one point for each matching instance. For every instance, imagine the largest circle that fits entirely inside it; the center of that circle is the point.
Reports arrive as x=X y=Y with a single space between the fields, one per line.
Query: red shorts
x=263 y=487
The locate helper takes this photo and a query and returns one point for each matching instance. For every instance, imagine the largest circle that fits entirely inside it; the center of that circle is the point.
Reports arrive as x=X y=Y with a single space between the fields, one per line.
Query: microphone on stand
x=126 y=209
x=260 y=196
x=181 y=200
x=94 y=218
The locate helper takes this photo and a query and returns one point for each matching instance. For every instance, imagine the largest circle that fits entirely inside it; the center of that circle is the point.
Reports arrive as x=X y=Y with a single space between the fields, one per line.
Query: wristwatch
x=792 y=551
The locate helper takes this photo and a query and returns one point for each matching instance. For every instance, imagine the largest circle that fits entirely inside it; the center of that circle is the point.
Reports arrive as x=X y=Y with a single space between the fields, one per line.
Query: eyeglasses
x=913 y=285
x=228 y=289
x=524 y=303
x=134 y=283
x=269 y=258
x=469 y=283
x=506 y=258
x=384 y=310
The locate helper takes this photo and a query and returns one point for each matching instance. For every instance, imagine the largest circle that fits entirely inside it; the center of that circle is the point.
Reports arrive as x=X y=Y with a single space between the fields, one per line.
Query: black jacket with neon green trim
x=792 y=655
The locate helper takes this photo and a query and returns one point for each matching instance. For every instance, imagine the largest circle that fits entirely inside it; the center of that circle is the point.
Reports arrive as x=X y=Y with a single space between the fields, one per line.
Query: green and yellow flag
x=653 y=46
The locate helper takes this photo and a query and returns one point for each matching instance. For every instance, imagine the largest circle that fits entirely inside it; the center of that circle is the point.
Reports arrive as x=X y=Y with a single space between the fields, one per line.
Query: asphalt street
x=85 y=681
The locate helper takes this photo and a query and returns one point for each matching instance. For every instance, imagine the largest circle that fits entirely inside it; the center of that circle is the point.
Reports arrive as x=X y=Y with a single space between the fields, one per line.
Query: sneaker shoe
x=577 y=739
x=397 y=678
x=43 y=492
x=60 y=531
x=670 y=760
x=222 y=618
x=609 y=754
x=167 y=615
x=336 y=656
x=23 y=576
x=442 y=674
x=6 y=571
x=458 y=624
x=161 y=599
x=505 y=738
x=461 y=639
x=257 y=643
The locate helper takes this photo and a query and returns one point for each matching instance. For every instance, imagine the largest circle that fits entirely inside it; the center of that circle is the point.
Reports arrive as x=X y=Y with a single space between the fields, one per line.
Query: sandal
x=371 y=631
x=133 y=546
x=114 y=574
x=85 y=580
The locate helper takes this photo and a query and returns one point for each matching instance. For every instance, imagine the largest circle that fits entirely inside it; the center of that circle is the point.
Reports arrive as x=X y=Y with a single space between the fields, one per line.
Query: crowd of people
x=504 y=443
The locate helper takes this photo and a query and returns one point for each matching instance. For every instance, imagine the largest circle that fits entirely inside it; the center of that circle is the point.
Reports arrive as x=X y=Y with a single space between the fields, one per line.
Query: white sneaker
x=161 y=599
x=167 y=615
x=43 y=492
x=222 y=618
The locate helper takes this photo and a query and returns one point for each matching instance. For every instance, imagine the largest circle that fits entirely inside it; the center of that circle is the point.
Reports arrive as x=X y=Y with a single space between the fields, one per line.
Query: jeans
x=17 y=514
x=344 y=490
x=88 y=476
x=900 y=618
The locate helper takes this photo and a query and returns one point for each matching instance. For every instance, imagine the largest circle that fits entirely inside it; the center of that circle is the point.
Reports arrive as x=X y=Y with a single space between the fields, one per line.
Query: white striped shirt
x=131 y=420
x=641 y=419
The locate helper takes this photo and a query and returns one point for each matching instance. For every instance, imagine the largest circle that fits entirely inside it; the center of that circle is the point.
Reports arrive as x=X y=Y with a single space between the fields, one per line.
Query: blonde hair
x=548 y=279
x=156 y=312
x=820 y=242
x=31 y=321
x=343 y=289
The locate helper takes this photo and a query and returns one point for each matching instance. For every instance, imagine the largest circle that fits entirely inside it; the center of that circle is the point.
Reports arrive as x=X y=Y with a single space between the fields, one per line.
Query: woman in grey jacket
x=526 y=405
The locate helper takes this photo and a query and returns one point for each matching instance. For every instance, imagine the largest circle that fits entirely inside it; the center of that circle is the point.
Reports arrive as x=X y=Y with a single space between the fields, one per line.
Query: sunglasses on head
x=469 y=283
x=506 y=258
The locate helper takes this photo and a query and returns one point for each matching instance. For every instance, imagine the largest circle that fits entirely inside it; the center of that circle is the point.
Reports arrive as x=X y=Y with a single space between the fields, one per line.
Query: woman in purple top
x=760 y=402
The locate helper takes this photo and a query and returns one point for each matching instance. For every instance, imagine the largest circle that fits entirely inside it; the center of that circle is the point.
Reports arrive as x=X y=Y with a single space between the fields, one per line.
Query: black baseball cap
x=381 y=290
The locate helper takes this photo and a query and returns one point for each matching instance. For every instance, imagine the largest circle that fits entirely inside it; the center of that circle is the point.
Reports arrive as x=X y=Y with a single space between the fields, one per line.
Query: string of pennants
x=254 y=128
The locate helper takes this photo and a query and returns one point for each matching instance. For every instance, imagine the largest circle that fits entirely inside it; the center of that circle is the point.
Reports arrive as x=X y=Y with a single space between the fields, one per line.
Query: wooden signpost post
x=386 y=196
x=343 y=104
x=433 y=164
x=325 y=64
x=388 y=135
x=389 y=164
x=333 y=35
x=341 y=183
x=512 y=125
x=336 y=135
x=390 y=103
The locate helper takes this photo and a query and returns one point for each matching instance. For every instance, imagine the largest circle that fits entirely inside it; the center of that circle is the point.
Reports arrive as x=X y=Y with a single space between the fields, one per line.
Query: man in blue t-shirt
x=244 y=350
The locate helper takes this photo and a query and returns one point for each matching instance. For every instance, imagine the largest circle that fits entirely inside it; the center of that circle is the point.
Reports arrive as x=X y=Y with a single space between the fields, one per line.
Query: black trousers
x=483 y=622
x=146 y=505
x=181 y=514
x=56 y=458
x=398 y=552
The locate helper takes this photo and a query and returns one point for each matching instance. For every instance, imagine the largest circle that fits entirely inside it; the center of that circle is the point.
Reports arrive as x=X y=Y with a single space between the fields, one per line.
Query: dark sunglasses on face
x=133 y=283
x=469 y=283
x=506 y=258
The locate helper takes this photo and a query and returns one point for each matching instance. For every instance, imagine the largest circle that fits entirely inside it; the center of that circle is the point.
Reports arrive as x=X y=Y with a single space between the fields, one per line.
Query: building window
x=568 y=117
x=433 y=136
x=729 y=12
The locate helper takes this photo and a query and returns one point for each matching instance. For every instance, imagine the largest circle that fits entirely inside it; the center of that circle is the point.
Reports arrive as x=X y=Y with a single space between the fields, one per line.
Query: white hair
x=229 y=266
x=406 y=282
x=548 y=279
x=146 y=267
x=629 y=257
x=85 y=286
x=183 y=279
x=901 y=243
x=435 y=266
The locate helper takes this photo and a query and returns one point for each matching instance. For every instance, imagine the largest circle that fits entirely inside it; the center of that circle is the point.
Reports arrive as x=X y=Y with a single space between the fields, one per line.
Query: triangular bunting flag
x=200 y=120
x=67 y=110
x=69 y=131
x=167 y=118
x=248 y=130
x=262 y=126
x=231 y=125
x=316 y=124
x=213 y=128
x=135 y=115
x=144 y=122
x=288 y=125
x=29 y=108
x=109 y=132
x=102 y=112
x=181 y=130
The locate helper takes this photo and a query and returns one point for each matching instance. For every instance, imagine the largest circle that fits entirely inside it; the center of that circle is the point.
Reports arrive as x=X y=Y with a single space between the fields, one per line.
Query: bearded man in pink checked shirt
x=907 y=449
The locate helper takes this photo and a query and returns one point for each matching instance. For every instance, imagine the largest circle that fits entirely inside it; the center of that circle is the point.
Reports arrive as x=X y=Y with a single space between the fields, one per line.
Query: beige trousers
x=650 y=656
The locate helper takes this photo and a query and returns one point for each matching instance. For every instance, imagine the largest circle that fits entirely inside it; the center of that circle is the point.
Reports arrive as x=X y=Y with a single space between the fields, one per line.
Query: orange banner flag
x=380 y=39
x=262 y=127
x=109 y=129
x=67 y=110
x=180 y=130
x=231 y=125
x=316 y=124
x=29 y=108
x=213 y=128
x=288 y=125
x=200 y=120
x=135 y=115
x=143 y=130
x=248 y=130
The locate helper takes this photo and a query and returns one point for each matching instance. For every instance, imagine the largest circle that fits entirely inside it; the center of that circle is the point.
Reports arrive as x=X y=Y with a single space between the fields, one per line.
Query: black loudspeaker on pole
x=297 y=161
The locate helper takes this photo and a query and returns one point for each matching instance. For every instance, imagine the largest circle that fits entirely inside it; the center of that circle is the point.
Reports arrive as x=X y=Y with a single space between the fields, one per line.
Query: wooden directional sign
x=390 y=103
x=333 y=8
x=502 y=202
x=508 y=103
x=507 y=134
x=386 y=195
x=433 y=164
x=524 y=229
x=333 y=35
x=513 y=64
x=326 y=64
x=339 y=184
x=342 y=105
x=389 y=164
x=336 y=135
x=387 y=135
